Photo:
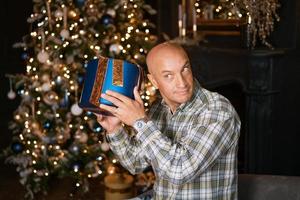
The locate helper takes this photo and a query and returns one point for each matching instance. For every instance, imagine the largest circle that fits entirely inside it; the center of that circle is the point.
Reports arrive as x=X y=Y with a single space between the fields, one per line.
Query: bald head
x=161 y=52
x=171 y=73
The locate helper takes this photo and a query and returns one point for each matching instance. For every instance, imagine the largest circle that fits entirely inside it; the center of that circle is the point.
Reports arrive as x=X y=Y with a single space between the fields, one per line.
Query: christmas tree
x=52 y=135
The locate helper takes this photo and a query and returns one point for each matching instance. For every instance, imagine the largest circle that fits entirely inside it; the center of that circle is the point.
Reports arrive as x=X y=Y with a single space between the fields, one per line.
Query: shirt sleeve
x=128 y=151
x=213 y=133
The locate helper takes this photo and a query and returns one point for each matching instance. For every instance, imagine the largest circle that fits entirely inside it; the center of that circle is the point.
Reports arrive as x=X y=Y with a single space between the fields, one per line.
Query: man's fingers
x=110 y=109
x=119 y=96
x=112 y=99
x=137 y=96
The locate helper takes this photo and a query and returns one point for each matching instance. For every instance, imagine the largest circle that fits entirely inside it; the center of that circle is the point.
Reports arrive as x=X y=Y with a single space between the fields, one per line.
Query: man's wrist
x=140 y=123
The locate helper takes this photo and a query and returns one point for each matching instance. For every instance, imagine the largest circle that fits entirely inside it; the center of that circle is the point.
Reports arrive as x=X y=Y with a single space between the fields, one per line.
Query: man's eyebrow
x=187 y=63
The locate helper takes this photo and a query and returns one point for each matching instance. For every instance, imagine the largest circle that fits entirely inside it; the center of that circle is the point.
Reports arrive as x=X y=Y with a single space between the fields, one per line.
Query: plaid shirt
x=193 y=151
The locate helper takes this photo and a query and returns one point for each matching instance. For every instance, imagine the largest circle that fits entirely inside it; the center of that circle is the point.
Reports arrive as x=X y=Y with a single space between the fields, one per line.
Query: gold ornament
x=133 y=20
x=50 y=98
x=35 y=125
x=72 y=14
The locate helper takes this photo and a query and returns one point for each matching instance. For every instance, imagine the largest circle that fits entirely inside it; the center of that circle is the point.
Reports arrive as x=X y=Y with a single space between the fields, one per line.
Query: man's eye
x=168 y=76
x=186 y=69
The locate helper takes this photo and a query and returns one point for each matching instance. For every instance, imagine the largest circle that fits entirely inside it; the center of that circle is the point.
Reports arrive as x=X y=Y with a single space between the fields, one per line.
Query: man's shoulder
x=155 y=106
x=214 y=100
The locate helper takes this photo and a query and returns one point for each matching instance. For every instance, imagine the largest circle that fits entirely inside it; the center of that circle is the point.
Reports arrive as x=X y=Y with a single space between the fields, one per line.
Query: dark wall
x=13 y=15
x=286 y=115
x=285 y=34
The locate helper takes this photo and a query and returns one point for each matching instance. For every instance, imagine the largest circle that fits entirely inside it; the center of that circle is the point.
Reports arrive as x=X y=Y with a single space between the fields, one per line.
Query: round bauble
x=111 y=12
x=104 y=146
x=64 y=33
x=42 y=56
x=50 y=98
x=11 y=94
x=74 y=148
x=115 y=48
x=24 y=55
x=60 y=138
x=17 y=147
x=35 y=125
x=73 y=14
x=58 y=14
x=76 y=110
x=47 y=125
x=46 y=87
x=107 y=20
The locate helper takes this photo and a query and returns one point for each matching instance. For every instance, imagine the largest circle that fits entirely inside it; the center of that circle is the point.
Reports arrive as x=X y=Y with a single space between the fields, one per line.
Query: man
x=189 y=138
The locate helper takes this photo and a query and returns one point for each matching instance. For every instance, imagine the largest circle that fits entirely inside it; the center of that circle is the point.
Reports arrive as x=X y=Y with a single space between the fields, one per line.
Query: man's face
x=171 y=73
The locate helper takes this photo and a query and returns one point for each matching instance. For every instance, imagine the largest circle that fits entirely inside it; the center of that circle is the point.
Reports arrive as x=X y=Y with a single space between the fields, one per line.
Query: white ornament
x=65 y=33
x=105 y=146
x=46 y=87
x=58 y=14
x=11 y=94
x=115 y=48
x=111 y=12
x=76 y=110
x=43 y=56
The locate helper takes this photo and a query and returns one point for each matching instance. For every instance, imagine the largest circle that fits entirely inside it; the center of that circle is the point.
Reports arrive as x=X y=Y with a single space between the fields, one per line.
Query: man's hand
x=109 y=122
x=128 y=110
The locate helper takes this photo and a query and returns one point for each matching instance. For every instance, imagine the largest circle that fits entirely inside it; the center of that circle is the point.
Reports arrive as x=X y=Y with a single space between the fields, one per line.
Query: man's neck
x=173 y=107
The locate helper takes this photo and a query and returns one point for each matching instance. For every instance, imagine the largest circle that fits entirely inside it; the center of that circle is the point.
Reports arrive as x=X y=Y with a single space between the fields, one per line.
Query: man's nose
x=180 y=81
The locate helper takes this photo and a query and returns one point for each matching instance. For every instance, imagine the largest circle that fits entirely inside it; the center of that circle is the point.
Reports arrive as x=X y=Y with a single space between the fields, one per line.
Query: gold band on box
x=118 y=73
x=97 y=87
x=101 y=70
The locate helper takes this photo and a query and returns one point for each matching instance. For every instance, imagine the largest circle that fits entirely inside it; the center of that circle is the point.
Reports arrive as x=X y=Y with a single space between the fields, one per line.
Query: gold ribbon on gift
x=117 y=78
x=99 y=79
x=118 y=73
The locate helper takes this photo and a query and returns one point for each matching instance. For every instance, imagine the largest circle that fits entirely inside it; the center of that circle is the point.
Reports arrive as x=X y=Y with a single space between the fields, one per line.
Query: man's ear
x=152 y=80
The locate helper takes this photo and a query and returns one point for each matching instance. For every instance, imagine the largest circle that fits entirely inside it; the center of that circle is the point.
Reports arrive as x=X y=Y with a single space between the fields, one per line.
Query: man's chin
x=184 y=99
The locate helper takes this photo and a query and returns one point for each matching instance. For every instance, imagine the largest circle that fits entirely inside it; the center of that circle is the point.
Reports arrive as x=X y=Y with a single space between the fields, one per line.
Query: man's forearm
x=127 y=150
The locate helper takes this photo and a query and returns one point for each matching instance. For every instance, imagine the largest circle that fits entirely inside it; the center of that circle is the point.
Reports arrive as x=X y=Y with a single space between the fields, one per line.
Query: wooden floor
x=11 y=189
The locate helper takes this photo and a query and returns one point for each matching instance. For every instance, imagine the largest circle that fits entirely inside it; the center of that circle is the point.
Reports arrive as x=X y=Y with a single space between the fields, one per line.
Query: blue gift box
x=104 y=74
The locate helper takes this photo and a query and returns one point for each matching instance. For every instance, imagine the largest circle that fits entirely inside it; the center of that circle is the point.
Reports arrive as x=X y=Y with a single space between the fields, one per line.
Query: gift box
x=104 y=74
